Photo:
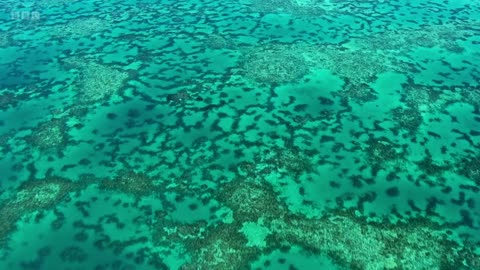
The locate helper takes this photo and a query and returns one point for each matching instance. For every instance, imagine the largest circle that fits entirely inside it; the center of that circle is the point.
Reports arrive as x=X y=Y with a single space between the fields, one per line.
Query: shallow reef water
x=251 y=134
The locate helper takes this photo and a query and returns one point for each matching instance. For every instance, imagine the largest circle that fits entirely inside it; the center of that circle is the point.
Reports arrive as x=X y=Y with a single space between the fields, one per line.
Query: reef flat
x=252 y=134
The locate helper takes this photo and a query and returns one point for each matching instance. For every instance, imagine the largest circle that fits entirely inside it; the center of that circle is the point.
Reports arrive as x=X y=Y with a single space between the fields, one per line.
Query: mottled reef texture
x=213 y=134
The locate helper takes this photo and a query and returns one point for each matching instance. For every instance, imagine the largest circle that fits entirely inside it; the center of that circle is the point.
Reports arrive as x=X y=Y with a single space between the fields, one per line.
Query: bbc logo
x=25 y=15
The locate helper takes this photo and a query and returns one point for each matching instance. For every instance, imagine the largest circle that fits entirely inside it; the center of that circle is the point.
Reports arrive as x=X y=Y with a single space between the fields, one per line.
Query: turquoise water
x=252 y=134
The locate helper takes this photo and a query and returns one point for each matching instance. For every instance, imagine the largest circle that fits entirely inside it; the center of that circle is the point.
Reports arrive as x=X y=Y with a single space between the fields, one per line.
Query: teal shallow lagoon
x=273 y=134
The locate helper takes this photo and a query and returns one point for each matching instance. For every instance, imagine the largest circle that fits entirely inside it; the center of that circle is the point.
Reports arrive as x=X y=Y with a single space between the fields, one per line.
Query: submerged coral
x=80 y=27
x=214 y=41
x=348 y=240
x=294 y=7
x=130 y=182
x=470 y=94
x=470 y=167
x=423 y=98
x=360 y=93
x=357 y=245
x=286 y=160
x=275 y=65
x=41 y=194
x=223 y=248
x=4 y=39
x=379 y=150
x=34 y=195
x=408 y=119
x=358 y=66
x=272 y=6
x=180 y=97
x=445 y=36
x=292 y=161
x=96 y=82
x=50 y=136
x=7 y=100
x=240 y=197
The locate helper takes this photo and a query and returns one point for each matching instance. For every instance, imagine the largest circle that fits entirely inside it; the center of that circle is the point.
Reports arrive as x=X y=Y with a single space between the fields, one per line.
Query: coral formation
x=4 y=39
x=470 y=167
x=250 y=200
x=80 y=27
x=294 y=7
x=179 y=97
x=408 y=119
x=279 y=159
x=358 y=245
x=130 y=182
x=274 y=65
x=359 y=93
x=348 y=240
x=292 y=161
x=382 y=149
x=50 y=136
x=41 y=194
x=214 y=41
x=53 y=3
x=272 y=6
x=428 y=36
x=95 y=82
x=73 y=254
x=7 y=100
x=222 y=133
x=33 y=195
x=469 y=94
x=358 y=66
x=423 y=98
x=223 y=248
x=12 y=97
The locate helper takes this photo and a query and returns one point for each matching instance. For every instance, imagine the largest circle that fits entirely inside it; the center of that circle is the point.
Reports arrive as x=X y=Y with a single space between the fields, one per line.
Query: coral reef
x=12 y=97
x=250 y=200
x=41 y=194
x=408 y=119
x=7 y=100
x=73 y=254
x=133 y=183
x=240 y=134
x=355 y=244
x=381 y=149
x=358 y=66
x=294 y=7
x=274 y=65
x=34 y=195
x=428 y=36
x=4 y=39
x=279 y=159
x=359 y=93
x=5 y=146
x=80 y=27
x=50 y=136
x=222 y=248
x=95 y=82
x=272 y=6
x=470 y=167
x=214 y=41
x=179 y=97
x=431 y=167
x=348 y=240
x=469 y=94
x=423 y=98
x=291 y=160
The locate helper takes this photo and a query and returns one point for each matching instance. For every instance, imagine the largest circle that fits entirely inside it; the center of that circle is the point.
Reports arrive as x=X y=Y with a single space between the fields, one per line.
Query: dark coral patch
x=393 y=192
